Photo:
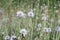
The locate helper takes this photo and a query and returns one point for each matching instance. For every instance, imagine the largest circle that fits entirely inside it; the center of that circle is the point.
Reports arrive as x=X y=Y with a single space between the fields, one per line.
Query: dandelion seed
x=47 y=29
x=39 y=25
x=13 y=37
x=7 y=37
x=31 y=14
x=23 y=32
x=21 y=14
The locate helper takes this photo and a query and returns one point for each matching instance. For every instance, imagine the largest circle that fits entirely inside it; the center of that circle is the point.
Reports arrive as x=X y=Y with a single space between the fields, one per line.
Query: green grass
x=11 y=24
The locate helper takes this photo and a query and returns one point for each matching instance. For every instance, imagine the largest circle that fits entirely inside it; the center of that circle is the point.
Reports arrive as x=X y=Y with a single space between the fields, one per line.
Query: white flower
x=21 y=14
x=30 y=14
x=47 y=29
x=23 y=31
x=58 y=28
x=39 y=25
x=13 y=37
x=44 y=18
x=7 y=37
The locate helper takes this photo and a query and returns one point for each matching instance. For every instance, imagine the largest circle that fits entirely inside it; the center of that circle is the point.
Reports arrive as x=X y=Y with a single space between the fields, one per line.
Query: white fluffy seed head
x=23 y=31
x=13 y=37
x=39 y=25
x=7 y=37
x=47 y=29
x=31 y=14
x=21 y=14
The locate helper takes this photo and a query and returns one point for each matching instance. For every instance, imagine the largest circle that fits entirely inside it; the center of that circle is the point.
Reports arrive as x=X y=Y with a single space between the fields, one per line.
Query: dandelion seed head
x=23 y=31
x=31 y=14
x=39 y=25
x=21 y=14
x=13 y=37
x=47 y=29
x=7 y=37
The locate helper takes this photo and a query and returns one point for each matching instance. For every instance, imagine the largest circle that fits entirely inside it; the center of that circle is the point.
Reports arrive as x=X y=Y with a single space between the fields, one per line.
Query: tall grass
x=10 y=24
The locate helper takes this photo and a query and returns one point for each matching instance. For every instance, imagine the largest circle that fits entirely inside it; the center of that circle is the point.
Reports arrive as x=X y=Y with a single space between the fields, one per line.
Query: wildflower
x=21 y=14
x=7 y=37
x=23 y=32
x=39 y=25
x=13 y=37
x=47 y=29
x=31 y=14
x=58 y=28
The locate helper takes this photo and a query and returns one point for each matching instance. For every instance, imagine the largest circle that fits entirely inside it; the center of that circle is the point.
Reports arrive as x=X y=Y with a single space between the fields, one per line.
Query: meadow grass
x=10 y=24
